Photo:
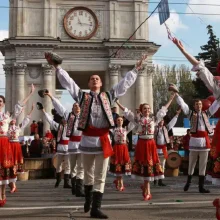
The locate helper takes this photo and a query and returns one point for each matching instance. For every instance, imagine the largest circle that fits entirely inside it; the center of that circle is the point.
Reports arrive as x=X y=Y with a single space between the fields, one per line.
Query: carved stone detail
x=34 y=72
x=7 y=69
x=150 y=71
x=20 y=68
x=114 y=69
x=47 y=69
x=127 y=54
x=25 y=54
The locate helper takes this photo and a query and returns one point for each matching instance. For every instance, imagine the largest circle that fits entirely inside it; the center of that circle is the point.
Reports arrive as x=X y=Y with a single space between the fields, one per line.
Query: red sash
x=102 y=133
x=164 y=149
x=202 y=134
x=75 y=138
x=64 y=142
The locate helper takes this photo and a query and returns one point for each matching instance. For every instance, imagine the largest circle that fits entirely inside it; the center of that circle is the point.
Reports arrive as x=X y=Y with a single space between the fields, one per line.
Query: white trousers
x=76 y=164
x=193 y=157
x=63 y=159
x=95 y=170
x=162 y=162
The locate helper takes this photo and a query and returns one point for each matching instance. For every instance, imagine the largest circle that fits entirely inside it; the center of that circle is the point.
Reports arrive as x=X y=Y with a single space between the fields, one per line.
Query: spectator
x=46 y=149
x=34 y=128
x=40 y=128
x=49 y=135
x=25 y=149
x=36 y=147
x=186 y=139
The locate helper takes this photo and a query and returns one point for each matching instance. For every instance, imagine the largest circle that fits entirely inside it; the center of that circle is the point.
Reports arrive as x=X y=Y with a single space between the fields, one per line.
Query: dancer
x=62 y=148
x=162 y=139
x=13 y=134
x=120 y=163
x=199 y=141
x=72 y=118
x=146 y=161
x=95 y=121
x=7 y=173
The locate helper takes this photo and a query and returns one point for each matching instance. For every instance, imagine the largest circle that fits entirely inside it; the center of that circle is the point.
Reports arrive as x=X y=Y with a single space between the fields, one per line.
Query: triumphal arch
x=85 y=34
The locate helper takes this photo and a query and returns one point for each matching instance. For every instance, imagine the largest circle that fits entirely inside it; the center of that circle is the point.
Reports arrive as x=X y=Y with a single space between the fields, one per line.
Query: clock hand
x=79 y=22
x=86 y=24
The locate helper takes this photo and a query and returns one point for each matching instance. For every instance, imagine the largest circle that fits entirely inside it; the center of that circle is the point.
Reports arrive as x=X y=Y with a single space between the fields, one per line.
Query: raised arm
x=172 y=123
x=27 y=119
x=58 y=106
x=182 y=104
x=121 y=88
x=213 y=108
x=68 y=83
x=188 y=56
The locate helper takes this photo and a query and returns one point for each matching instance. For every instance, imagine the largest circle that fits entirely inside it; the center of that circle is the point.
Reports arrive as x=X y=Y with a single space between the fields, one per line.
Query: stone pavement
x=38 y=199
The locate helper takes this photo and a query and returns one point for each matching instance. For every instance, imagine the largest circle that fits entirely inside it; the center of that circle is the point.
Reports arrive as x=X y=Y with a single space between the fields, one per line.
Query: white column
x=8 y=87
x=19 y=79
x=106 y=81
x=113 y=74
x=140 y=91
x=114 y=19
x=149 y=86
x=48 y=72
x=20 y=18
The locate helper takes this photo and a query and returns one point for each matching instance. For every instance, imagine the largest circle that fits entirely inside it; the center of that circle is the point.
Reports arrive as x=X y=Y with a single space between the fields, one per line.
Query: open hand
x=178 y=111
x=178 y=43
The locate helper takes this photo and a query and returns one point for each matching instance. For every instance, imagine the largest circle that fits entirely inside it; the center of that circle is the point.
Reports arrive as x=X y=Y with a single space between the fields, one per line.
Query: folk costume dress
x=13 y=134
x=7 y=171
x=146 y=160
x=213 y=166
x=120 y=162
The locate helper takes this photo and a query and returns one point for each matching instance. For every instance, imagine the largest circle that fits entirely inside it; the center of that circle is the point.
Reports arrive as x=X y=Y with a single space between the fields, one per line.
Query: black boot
x=96 y=206
x=73 y=182
x=66 y=182
x=79 y=188
x=88 y=197
x=58 y=177
x=155 y=182
x=189 y=179
x=201 y=185
x=160 y=183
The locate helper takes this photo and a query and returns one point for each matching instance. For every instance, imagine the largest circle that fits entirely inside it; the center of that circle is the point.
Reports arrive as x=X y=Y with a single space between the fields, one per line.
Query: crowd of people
x=84 y=148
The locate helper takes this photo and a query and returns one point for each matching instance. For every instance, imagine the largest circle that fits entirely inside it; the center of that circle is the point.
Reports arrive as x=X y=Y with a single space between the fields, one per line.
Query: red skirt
x=6 y=155
x=146 y=161
x=120 y=162
x=17 y=153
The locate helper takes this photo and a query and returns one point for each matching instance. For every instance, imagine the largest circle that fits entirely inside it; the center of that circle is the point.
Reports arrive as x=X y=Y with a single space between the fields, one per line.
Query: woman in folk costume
x=146 y=161
x=13 y=135
x=62 y=148
x=120 y=163
x=7 y=172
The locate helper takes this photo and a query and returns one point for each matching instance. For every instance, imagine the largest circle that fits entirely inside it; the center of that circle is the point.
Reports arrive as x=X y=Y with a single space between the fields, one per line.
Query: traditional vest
x=70 y=124
x=165 y=134
x=4 y=124
x=60 y=133
x=193 y=116
x=13 y=133
x=86 y=103
x=146 y=126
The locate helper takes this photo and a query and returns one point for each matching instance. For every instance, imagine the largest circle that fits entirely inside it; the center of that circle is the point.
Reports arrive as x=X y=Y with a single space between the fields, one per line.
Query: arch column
x=149 y=86
x=114 y=70
x=19 y=85
x=140 y=88
x=8 y=87
x=48 y=73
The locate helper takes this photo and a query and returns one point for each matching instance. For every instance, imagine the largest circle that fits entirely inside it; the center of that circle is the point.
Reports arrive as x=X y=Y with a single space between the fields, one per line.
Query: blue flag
x=164 y=12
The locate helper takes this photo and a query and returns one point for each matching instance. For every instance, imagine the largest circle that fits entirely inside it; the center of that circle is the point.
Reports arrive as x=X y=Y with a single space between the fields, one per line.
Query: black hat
x=54 y=57
x=42 y=92
x=39 y=106
x=173 y=88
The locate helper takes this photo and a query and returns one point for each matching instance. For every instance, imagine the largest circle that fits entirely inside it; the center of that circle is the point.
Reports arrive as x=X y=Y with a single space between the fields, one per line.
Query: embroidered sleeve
x=60 y=108
x=172 y=123
x=52 y=123
x=213 y=108
x=129 y=115
x=121 y=88
x=69 y=84
x=25 y=121
x=182 y=104
x=131 y=126
x=17 y=110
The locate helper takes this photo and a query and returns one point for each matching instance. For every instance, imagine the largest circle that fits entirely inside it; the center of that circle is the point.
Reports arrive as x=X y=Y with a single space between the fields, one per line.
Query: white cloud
x=205 y=9
x=3 y=35
x=158 y=33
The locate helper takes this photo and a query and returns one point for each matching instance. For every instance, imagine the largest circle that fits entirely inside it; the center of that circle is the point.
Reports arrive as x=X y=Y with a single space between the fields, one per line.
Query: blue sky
x=188 y=28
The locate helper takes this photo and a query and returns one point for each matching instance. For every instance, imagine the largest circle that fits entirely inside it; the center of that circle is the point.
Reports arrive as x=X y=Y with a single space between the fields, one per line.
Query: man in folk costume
x=72 y=118
x=95 y=121
x=199 y=144
x=162 y=140
x=62 y=148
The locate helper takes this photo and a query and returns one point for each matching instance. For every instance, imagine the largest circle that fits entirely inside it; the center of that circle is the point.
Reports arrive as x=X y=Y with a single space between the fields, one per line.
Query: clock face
x=81 y=23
